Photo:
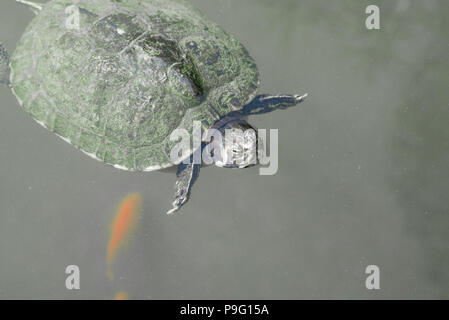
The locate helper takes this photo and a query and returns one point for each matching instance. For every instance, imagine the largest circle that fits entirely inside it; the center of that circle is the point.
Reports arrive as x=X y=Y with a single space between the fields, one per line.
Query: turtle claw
x=180 y=196
x=301 y=98
x=172 y=211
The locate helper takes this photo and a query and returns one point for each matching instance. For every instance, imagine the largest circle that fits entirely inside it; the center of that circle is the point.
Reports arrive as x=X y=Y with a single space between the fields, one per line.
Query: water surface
x=363 y=173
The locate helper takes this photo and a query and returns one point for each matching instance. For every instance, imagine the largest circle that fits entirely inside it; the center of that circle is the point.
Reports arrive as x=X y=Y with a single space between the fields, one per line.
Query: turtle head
x=239 y=144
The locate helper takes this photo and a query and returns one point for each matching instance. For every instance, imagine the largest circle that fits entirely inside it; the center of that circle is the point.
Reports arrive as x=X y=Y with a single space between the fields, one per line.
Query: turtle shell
x=117 y=84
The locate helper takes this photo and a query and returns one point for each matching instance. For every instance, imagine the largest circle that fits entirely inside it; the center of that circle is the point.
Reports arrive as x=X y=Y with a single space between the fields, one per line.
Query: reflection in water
x=344 y=20
x=420 y=148
x=412 y=48
x=122 y=295
x=363 y=173
x=122 y=227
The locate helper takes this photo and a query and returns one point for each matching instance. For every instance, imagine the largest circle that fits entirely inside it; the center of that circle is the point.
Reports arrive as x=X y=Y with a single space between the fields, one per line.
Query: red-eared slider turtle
x=116 y=78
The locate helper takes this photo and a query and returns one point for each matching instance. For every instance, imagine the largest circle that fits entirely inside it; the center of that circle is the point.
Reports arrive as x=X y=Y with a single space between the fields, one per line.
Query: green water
x=363 y=173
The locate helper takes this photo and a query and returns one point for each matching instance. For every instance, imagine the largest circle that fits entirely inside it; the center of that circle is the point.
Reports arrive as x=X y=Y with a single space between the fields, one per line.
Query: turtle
x=116 y=78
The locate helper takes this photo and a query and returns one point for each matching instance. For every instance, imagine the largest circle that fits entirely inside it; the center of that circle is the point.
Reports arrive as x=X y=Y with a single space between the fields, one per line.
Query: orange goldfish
x=122 y=226
x=121 y=296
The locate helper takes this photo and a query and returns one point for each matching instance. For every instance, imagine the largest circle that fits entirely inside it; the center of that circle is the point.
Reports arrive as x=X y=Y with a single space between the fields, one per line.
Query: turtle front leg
x=266 y=103
x=187 y=175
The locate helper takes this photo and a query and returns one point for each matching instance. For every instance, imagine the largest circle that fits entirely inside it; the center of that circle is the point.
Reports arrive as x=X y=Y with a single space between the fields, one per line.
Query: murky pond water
x=363 y=173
